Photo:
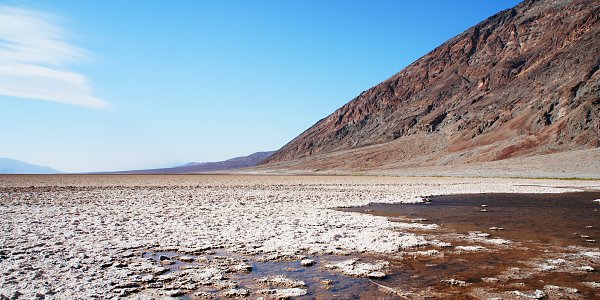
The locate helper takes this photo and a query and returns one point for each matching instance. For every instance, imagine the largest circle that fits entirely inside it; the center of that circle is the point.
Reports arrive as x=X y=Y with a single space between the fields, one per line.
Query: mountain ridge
x=522 y=82
x=13 y=166
x=199 y=167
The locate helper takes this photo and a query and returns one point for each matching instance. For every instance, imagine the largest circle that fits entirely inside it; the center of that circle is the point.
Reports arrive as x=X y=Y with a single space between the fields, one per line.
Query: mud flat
x=272 y=237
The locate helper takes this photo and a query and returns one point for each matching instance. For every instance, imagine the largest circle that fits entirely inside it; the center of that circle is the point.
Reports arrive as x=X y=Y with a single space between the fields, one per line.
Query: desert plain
x=208 y=236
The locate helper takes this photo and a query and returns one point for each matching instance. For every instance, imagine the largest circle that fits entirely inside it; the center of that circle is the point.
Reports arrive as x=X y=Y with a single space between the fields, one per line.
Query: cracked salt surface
x=82 y=236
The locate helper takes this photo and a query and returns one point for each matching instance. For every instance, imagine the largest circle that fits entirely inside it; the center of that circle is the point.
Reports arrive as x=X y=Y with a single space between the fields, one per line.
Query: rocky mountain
x=12 y=166
x=230 y=164
x=523 y=82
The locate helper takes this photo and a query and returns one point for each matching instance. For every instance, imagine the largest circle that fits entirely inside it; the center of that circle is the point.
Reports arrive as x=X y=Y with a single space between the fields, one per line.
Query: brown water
x=541 y=226
x=557 y=219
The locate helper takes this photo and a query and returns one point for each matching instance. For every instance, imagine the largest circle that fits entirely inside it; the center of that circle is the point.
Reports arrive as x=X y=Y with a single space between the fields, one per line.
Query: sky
x=120 y=85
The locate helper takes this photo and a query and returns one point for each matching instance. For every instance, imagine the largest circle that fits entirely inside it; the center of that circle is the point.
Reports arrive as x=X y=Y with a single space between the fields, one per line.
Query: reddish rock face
x=525 y=81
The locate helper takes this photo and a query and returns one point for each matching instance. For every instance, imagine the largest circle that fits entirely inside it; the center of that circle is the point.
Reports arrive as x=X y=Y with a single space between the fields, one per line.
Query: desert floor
x=204 y=236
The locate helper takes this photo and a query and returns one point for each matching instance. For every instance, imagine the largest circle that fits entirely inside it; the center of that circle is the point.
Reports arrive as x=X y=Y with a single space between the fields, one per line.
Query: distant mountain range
x=195 y=167
x=12 y=166
x=524 y=82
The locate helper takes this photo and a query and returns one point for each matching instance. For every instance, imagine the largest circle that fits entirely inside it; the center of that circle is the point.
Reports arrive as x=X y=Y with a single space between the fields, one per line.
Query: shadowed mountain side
x=230 y=164
x=523 y=82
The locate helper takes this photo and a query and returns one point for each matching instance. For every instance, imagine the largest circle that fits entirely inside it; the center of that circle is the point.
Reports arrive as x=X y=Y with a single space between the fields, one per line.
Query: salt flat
x=83 y=236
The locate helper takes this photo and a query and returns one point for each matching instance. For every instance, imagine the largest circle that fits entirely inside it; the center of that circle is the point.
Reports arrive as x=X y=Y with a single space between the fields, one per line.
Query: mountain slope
x=230 y=164
x=523 y=82
x=12 y=166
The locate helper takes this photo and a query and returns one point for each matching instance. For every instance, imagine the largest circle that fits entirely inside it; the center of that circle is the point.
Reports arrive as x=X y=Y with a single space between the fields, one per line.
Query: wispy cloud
x=34 y=56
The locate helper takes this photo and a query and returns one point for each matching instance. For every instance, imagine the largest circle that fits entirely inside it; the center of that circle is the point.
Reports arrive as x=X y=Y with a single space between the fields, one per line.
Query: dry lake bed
x=301 y=237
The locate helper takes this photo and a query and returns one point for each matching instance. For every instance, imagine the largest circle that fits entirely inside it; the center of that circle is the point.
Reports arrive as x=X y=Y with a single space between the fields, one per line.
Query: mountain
x=230 y=164
x=11 y=166
x=523 y=82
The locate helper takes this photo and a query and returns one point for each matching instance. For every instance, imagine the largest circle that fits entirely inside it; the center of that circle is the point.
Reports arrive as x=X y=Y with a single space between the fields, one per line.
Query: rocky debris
x=521 y=82
x=196 y=250
x=236 y=293
x=283 y=293
x=128 y=285
x=566 y=263
x=189 y=275
x=455 y=282
x=588 y=268
x=490 y=279
x=327 y=282
x=203 y=276
x=186 y=258
x=470 y=248
x=497 y=241
x=551 y=264
x=352 y=267
x=281 y=280
x=225 y=284
x=402 y=225
x=203 y=295
x=174 y=293
x=122 y=292
x=591 y=254
x=242 y=267
x=307 y=262
x=537 y=294
x=278 y=257
x=440 y=244
x=411 y=241
x=164 y=257
x=429 y=253
x=420 y=254
x=555 y=291
x=496 y=228
x=377 y=275
x=479 y=234
x=592 y=284
x=484 y=237
x=419 y=220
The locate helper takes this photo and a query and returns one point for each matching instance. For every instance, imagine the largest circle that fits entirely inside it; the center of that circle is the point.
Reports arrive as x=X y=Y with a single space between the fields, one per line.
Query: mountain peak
x=523 y=82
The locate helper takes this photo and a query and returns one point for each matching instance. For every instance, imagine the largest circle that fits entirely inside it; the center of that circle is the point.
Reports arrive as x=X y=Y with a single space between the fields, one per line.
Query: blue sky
x=115 y=85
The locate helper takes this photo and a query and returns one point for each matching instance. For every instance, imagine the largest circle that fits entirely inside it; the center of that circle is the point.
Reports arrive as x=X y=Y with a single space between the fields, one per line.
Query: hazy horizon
x=137 y=85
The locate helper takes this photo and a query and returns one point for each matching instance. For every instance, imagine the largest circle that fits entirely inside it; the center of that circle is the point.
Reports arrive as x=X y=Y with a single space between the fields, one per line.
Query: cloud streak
x=34 y=56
